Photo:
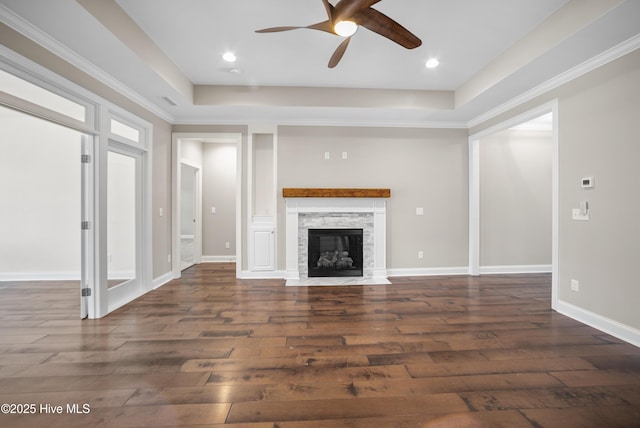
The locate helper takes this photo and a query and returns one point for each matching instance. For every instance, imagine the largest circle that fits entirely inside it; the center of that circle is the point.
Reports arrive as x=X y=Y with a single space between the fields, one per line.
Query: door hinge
x=85 y=158
x=86 y=292
x=84 y=225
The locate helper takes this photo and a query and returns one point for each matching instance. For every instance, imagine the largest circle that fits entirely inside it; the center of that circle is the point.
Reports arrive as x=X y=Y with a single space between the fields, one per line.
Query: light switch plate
x=576 y=215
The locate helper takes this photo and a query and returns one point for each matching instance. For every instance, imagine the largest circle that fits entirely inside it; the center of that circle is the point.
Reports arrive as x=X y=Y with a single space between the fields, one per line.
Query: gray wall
x=515 y=199
x=598 y=136
x=425 y=168
x=219 y=191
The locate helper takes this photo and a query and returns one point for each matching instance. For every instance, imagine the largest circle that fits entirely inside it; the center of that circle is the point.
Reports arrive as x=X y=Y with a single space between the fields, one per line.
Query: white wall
x=515 y=200
x=39 y=197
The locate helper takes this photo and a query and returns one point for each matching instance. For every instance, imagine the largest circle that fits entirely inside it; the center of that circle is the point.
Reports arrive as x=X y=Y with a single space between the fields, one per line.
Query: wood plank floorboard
x=210 y=350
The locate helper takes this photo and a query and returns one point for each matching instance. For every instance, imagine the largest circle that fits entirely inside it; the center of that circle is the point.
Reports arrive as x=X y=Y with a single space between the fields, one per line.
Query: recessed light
x=432 y=63
x=229 y=57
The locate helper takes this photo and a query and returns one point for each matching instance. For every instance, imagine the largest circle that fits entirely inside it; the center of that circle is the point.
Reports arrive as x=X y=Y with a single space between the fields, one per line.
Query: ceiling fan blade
x=277 y=29
x=321 y=26
x=380 y=23
x=339 y=52
x=346 y=9
x=329 y=8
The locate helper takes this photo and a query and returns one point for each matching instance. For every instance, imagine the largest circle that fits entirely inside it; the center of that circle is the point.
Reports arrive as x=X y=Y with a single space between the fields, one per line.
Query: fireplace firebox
x=335 y=252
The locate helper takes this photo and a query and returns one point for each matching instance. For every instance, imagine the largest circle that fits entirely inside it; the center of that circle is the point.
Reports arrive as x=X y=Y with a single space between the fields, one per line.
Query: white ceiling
x=469 y=37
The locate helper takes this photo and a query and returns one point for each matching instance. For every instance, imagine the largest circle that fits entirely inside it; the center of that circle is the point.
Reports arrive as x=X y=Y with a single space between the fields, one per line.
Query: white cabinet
x=262 y=248
x=261 y=198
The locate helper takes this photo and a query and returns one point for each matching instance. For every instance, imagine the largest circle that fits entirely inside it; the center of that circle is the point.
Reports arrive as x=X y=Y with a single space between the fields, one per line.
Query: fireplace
x=335 y=252
x=308 y=209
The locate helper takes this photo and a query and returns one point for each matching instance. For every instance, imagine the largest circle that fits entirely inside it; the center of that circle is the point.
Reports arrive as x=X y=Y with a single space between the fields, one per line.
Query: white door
x=124 y=225
x=188 y=210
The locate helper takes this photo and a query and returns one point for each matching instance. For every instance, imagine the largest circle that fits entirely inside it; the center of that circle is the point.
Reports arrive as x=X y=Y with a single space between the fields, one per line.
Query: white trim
x=515 y=269
x=39 y=276
x=474 y=206
x=434 y=271
x=591 y=64
x=218 y=259
x=274 y=274
x=309 y=122
x=162 y=280
x=474 y=190
x=607 y=325
x=376 y=206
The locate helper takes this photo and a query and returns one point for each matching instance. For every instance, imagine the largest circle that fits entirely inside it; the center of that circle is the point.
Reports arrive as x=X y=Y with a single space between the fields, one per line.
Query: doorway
x=476 y=226
x=217 y=157
x=190 y=227
x=45 y=198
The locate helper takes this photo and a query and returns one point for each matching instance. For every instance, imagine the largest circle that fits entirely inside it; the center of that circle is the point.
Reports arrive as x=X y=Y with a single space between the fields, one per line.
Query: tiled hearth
x=369 y=214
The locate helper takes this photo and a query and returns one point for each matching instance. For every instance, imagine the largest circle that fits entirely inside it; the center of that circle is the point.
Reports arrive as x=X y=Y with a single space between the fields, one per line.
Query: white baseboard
x=218 y=259
x=614 y=328
x=162 y=280
x=272 y=274
x=39 y=276
x=492 y=270
x=445 y=271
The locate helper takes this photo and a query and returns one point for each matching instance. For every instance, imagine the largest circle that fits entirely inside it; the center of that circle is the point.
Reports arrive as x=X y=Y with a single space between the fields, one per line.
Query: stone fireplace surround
x=336 y=208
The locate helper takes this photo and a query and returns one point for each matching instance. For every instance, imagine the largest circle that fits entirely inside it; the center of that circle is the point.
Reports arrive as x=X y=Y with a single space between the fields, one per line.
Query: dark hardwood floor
x=210 y=350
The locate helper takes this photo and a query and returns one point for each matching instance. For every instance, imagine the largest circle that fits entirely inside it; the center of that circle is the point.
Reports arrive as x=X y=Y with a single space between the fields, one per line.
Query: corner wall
x=598 y=136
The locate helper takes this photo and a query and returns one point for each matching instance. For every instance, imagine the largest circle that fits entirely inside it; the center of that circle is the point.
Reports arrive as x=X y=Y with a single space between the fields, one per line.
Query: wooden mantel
x=289 y=192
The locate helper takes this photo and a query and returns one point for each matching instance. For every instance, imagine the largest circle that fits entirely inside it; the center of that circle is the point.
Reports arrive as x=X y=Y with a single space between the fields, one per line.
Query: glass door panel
x=122 y=215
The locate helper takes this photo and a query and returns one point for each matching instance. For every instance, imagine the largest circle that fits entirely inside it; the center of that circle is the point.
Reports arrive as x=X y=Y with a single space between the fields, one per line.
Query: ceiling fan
x=344 y=19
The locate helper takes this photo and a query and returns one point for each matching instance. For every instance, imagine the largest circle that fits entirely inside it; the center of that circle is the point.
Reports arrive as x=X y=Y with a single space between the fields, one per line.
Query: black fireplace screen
x=335 y=252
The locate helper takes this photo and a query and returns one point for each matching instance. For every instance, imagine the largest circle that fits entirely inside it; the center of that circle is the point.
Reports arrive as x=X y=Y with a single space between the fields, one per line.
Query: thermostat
x=587 y=182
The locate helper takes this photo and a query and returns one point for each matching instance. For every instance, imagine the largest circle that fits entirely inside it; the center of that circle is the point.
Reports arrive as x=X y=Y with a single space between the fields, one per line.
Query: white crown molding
x=597 y=61
x=364 y=124
x=33 y=33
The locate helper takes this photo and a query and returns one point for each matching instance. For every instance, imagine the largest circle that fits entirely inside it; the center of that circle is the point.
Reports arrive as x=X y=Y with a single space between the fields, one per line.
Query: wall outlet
x=327 y=155
x=421 y=254
x=419 y=211
x=344 y=155
x=575 y=285
x=227 y=245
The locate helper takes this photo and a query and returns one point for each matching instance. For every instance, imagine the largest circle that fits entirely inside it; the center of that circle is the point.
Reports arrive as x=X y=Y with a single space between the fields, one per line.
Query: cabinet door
x=263 y=249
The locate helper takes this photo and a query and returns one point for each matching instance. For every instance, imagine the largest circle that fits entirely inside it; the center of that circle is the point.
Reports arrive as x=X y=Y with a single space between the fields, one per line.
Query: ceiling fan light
x=345 y=28
x=229 y=57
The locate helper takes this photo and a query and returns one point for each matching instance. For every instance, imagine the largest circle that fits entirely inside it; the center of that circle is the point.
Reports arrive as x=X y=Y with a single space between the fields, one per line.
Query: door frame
x=197 y=210
x=474 y=189
x=176 y=155
x=96 y=125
